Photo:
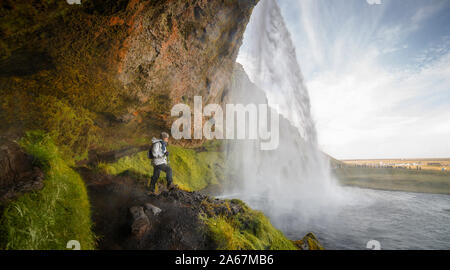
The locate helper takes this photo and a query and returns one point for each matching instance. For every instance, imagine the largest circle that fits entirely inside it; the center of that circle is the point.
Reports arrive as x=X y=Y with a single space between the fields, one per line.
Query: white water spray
x=294 y=180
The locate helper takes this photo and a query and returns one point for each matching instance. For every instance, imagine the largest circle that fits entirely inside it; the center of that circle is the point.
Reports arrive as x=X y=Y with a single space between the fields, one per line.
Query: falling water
x=293 y=181
x=293 y=184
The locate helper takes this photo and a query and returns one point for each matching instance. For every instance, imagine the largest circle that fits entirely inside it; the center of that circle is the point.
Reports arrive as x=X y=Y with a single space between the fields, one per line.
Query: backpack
x=150 y=152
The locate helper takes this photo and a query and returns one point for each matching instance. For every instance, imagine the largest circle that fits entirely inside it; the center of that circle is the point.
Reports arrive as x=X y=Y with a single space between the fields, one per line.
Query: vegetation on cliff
x=247 y=230
x=193 y=169
x=49 y=218
x=112 y=69
x=61 y=211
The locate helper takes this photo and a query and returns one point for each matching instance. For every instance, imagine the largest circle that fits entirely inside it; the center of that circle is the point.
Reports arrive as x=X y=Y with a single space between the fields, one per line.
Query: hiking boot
x=172 y=186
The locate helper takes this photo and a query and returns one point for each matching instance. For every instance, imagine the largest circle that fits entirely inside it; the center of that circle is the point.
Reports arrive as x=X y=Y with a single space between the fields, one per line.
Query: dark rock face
x=187 y=48
x=25 y=63
x=126 y=61
x=18 y=175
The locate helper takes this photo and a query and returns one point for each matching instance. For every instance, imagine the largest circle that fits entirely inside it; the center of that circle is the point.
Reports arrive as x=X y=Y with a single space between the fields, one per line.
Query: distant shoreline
x=432 y=164
x=394 y=190
x=400 y=159
x=394 y=179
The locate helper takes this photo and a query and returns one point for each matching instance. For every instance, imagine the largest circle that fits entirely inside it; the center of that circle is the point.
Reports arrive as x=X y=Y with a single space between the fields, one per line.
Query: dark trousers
x=156 y=172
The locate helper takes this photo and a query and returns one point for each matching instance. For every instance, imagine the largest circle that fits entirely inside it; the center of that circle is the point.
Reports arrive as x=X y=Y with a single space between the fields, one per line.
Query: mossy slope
x=247 y=230
x=192 y=170
x=60 y=212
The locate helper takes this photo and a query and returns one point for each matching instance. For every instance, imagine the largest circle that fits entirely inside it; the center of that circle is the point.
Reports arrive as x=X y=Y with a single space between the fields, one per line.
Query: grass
x=396 y=179
x=249 y=230
x=49 y=218
x=192 y=170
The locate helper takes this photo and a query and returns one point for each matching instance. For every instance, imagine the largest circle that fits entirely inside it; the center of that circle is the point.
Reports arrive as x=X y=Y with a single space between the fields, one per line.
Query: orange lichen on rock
x=116 y=21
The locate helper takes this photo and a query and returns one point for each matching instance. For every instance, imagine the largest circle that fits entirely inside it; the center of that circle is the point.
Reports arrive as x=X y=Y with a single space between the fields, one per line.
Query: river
x=397 y=220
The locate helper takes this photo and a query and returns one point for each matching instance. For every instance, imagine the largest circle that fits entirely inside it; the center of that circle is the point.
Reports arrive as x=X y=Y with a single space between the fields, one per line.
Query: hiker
x=159 y=155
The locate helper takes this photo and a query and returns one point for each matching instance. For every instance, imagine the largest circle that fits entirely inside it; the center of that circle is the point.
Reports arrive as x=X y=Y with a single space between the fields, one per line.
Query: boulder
x=309 y=242
x=150 y=209
x=140 y=222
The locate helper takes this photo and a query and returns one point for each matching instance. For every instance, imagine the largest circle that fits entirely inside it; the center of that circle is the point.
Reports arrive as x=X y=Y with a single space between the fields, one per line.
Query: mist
x=293 y=181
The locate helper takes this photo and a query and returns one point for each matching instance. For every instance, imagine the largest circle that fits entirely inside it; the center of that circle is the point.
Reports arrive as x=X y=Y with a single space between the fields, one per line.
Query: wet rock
x=235 y=209
x=222 y=210
x=140 y=222
x=151 y=209
x=309 y=242
x=126 y=118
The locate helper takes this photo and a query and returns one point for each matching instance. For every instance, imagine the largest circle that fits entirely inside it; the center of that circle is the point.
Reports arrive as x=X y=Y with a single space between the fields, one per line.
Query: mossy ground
x=249 y=230
x=49 y=218
x=253 y=231
x=192 y=170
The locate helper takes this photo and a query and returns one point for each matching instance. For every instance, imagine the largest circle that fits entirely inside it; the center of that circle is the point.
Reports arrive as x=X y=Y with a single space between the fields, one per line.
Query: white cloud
x=368 y=112
x=363 y=107
x=426 y=11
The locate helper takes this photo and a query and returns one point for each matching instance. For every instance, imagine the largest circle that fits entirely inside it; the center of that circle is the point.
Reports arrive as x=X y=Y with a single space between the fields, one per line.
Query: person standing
x=159 y=156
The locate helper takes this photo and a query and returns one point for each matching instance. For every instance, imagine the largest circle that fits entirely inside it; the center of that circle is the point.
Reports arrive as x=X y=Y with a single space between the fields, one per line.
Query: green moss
x=249 y=230
x=313 y=242
x=138 y=164
x=71 y=127
x=192 y=170
x=49 y=218
x=63 y=92
x=309 y=242
x=195 y=171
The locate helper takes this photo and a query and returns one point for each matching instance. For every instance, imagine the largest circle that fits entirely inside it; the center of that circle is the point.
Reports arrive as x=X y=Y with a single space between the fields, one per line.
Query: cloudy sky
x=378 y=74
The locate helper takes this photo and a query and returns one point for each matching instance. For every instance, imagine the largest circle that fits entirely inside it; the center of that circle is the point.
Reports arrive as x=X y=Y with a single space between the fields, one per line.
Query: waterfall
x=295 y=179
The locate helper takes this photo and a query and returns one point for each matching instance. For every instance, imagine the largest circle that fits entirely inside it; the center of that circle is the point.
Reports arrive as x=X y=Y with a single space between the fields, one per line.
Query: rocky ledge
x=18 y=174
x=127 y=216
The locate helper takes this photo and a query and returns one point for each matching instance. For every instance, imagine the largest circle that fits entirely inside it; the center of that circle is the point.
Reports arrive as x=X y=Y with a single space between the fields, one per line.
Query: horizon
x=369 y=159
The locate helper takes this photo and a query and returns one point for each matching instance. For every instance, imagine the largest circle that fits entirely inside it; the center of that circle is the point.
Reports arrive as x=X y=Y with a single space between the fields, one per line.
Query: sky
x=378 y=74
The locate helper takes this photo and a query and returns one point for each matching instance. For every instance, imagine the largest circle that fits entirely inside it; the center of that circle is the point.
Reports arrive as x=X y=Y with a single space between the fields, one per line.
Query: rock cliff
x=106 y=73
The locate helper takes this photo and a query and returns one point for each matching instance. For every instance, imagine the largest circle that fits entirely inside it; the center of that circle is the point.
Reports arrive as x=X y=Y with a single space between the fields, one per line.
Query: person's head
x=165 y=136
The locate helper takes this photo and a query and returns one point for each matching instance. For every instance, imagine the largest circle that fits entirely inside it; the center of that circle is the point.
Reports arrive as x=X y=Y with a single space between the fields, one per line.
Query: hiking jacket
x=158 y=151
